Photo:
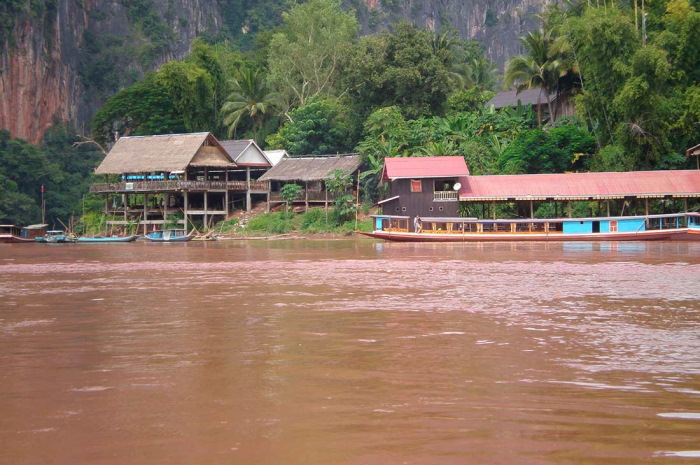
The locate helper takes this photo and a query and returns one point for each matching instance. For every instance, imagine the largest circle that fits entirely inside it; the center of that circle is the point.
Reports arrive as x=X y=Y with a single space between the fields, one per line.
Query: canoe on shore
x=106 y=239
x=170 y=235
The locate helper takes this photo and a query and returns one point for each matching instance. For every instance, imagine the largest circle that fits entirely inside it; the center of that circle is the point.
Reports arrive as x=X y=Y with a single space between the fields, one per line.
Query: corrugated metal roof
x=693 y=150
x=510 y=98
x=235 y=147
x=311 y=168
x=275 y=156
x=582 y=185
x=168 y=152
x=424 y=167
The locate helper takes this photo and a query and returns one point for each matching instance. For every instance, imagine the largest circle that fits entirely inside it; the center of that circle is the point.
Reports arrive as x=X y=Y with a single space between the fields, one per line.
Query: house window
x=416 y=185
x=613 y=226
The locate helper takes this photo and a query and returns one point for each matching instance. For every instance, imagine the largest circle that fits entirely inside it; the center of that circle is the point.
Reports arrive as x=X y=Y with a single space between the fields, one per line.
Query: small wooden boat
x=206 y=237
x=106 y=239
x=624 y=228
x=169 y=235
x=56 y=236
x=9 y=233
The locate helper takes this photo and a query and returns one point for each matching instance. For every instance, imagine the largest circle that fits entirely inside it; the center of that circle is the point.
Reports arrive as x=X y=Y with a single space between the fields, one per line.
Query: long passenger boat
x=617 y=228
x=10 y=233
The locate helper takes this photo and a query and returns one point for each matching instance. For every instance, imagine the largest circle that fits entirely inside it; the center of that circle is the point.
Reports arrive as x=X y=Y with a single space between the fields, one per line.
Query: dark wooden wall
x=419 y=203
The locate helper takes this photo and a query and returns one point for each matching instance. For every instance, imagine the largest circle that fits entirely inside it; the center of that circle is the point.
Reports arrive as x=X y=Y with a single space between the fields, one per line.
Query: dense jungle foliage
x=308 y=83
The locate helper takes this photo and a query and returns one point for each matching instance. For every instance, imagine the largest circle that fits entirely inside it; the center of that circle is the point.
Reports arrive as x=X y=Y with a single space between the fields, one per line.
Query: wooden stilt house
x=251 y=163
x=311 y=173
x=167 y=180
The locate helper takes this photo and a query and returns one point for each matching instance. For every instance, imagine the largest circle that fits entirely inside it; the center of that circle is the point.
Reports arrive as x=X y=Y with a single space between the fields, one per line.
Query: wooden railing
x=446 y=195
x=175 y=185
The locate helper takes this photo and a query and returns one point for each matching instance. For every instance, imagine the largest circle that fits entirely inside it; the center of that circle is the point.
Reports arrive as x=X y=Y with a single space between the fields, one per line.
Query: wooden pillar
x=226 y=202
x=646 y=207
x=206 y=208
x=685 y=204
x=248 y=206
x=493 y=205
x=268 y=202
x=306 y=196
x=607 y=205
x=532 y=209
x=568 y=207
x=186 y=202
x=145 y=214
x=166 y=203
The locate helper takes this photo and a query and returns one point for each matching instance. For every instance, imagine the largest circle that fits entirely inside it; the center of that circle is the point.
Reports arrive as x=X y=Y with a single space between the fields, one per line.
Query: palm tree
x=480 y=72
x=541 y=67
x=252 y=98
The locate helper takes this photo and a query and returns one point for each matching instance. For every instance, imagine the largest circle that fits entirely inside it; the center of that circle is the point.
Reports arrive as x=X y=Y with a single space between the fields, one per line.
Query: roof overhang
x=388 y=200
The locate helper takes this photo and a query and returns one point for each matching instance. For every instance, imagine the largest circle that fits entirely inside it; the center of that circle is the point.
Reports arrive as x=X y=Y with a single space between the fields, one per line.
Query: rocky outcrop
x=41 y=61
x=50 y=62
x=497 y=24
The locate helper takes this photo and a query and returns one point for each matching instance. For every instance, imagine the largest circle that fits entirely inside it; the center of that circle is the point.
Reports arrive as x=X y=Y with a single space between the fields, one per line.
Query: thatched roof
x=168 y=153
x=311 y=168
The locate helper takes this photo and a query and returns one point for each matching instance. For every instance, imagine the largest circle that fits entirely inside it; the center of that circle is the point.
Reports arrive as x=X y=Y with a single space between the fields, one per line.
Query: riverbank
x=315 y=224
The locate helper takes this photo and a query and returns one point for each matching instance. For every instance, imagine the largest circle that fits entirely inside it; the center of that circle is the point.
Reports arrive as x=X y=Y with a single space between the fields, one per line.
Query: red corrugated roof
x=572 y=185
x=424 y=167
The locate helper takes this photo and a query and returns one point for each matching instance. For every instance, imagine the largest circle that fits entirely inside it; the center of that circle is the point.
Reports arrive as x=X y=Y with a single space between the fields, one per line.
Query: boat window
x=416 y=185
x=403 y=209
x=431 y=208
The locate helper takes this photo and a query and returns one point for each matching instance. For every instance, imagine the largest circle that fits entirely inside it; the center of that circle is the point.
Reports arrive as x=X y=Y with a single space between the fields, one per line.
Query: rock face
x=49 y=63
x=497 y=24
x=42 y=61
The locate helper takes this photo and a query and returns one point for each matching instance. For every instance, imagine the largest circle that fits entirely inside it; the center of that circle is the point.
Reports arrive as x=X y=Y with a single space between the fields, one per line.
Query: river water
x=350 y=352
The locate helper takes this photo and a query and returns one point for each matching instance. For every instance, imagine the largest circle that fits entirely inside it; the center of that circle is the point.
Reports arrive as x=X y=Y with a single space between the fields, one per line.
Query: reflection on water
x=350 y=352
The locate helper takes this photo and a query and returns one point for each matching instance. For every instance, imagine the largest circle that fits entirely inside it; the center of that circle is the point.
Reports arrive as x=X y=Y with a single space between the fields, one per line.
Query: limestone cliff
x=61 y=62
x=497 y=24
x=45 y=58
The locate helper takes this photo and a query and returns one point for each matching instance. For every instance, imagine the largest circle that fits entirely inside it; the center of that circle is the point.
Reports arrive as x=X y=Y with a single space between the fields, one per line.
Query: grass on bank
x=314 y=221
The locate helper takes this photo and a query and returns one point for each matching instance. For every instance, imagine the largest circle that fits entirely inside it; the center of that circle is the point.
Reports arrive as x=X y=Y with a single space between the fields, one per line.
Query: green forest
x=307 y=82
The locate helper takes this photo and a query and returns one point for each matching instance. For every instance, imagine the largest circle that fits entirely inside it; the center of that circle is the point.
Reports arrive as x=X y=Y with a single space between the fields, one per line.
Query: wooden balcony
x=140 y=187
x=446 y=196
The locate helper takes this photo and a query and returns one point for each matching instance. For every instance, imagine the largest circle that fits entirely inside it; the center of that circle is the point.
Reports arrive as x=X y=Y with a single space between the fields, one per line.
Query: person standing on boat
x=417 y=224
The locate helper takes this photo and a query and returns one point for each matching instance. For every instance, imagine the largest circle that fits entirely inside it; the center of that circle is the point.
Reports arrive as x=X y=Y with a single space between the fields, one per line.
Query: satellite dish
x=457 y=186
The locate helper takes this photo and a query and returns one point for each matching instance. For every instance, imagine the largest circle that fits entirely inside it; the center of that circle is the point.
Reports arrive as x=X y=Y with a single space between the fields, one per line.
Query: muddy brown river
x=350 y=352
